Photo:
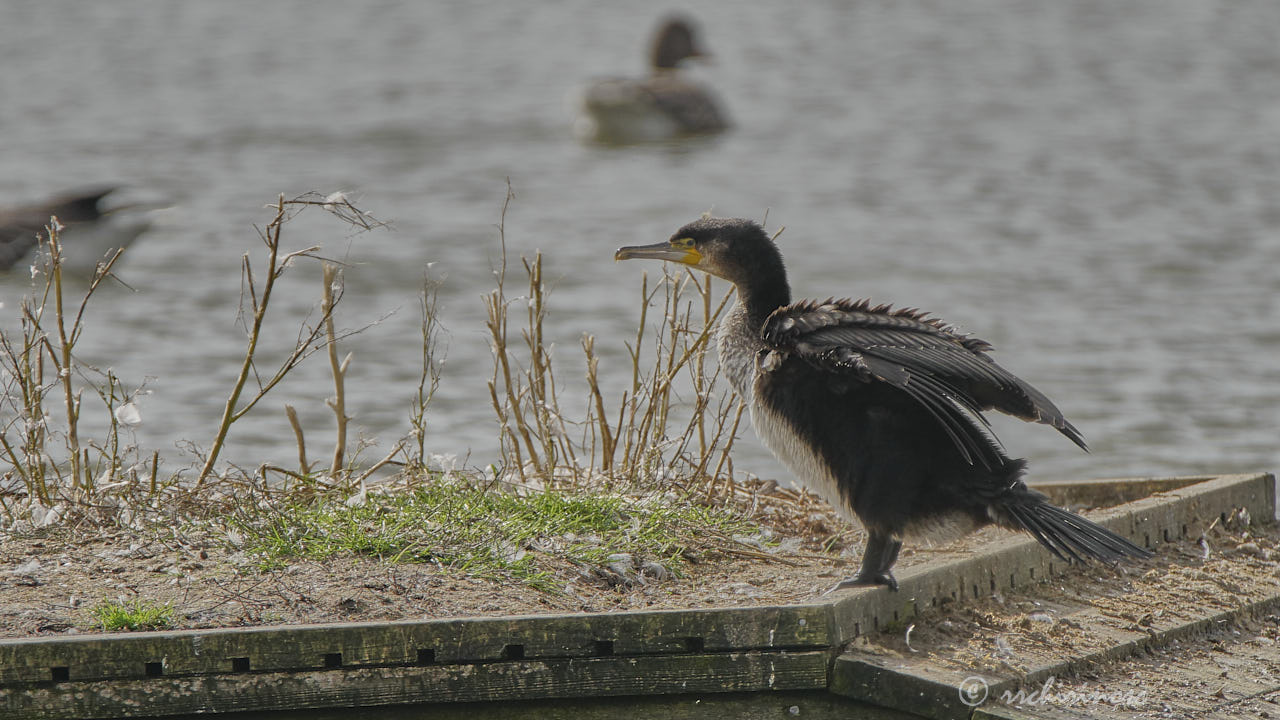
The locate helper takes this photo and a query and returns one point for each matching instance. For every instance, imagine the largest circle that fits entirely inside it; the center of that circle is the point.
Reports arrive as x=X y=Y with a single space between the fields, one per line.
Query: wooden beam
x=370 y=687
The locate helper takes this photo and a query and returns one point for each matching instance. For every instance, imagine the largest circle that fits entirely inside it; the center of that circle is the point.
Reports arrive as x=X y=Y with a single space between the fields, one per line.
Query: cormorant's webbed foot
x=877 y=564
x=863 y=580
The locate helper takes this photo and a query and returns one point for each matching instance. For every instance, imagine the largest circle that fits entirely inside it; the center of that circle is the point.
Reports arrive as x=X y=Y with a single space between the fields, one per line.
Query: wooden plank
x=776 y=705
x=1001 y=712
x=194 y=652
x=916 y=692
x=369 y=687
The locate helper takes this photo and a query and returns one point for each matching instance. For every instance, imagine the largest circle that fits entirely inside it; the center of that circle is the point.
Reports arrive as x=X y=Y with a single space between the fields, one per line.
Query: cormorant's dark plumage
x=93 y=230
x=879 y=410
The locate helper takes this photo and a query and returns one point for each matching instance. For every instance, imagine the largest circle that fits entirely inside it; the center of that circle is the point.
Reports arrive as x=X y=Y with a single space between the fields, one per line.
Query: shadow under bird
x=90 y=231
x=663 y=106
x=878 y=410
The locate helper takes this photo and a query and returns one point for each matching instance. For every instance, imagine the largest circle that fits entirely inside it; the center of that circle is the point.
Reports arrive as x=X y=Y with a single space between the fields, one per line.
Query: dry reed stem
x=272 y=239
x=724 y=451
x=303 y=466
x=637 y=440
x=386 y=460
x=608 y=442
x=510 y=408
x=24 y=375
x=641 y=444
x=338 y=404
x=90 y=468
x=32 y=460
x=62 y=362
x=310 y=338
x=429 y=379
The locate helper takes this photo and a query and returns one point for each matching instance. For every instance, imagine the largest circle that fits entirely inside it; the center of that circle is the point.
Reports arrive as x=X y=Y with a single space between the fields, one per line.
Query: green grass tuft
x=494 y=533
x=136 y=614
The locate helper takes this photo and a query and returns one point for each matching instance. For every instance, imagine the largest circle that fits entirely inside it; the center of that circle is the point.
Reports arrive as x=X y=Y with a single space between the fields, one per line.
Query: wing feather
x=946 y=372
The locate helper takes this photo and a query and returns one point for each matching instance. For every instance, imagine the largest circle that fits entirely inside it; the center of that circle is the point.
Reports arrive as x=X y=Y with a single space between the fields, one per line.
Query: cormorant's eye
x=684 y=243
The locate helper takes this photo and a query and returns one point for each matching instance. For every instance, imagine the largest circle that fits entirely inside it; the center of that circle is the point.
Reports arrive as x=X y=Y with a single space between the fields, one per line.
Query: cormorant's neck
x=762 y=297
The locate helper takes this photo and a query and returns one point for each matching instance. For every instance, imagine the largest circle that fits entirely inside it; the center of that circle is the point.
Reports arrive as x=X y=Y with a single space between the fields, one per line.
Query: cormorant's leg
x=877 y=563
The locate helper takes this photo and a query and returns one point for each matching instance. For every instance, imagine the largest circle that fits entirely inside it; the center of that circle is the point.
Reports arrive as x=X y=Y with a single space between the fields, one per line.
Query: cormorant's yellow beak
x=679 y=250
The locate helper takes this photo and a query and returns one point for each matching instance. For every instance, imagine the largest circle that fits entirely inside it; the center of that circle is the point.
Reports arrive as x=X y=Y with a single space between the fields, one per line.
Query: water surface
x=1090 y=186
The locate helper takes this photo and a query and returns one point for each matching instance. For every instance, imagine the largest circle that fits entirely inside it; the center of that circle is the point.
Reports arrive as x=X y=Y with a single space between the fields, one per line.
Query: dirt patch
x=50 y=583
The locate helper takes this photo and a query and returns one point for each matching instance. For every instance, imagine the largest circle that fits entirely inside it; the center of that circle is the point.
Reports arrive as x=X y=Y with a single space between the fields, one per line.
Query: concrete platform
x=665 y=658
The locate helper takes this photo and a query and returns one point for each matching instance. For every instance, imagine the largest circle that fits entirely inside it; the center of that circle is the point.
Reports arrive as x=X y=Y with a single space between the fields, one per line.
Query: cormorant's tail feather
x=1068 y=536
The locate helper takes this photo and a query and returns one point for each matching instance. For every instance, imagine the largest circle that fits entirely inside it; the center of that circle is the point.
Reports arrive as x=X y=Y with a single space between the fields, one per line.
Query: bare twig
x=272 y=239
x=386 y=460
x=63 y=360
x=303 y=466
x=432 y=366
x=607 y=440
x=643 y=444
x=332 y=279
x=310 y=338
x=509 y=407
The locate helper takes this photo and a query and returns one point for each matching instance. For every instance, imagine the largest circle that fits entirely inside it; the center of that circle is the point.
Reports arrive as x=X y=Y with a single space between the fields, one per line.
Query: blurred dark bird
x=878 y=410
x=663 y=106
x=90 y=232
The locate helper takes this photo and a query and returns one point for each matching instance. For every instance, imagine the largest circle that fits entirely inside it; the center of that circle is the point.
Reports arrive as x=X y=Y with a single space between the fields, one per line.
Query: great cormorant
x=878 y=410
x=663 y=106
x=90 y=232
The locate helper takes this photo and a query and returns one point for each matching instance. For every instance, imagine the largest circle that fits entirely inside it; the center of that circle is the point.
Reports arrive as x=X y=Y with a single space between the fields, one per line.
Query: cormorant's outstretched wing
x=15 y=242
x=20 y=226
x=946 y=372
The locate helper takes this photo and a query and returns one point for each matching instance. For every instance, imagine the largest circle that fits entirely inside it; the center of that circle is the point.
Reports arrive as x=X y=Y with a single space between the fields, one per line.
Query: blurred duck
x=664 y=106
x=90 y=232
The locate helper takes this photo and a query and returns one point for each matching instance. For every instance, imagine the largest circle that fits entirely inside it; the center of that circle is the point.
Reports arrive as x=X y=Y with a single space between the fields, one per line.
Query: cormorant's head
x=731 y=248
x=674 y=41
